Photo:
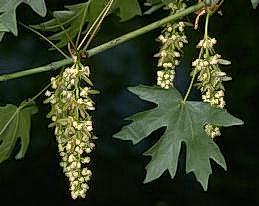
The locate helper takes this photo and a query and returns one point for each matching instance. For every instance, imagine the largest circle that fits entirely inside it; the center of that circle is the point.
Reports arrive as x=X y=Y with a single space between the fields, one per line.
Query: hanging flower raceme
x=210 y=78
x=172 y=41
x=71 y=102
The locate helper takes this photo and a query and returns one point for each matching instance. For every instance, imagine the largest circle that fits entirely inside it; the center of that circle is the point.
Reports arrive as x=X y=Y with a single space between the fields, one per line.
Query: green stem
x=193 y=78
x=94 y=28
x=207 y=26
x=201 y=52
x=49 y=67
x=144 y=29
x=30 y=100
x=190 y=86
x=39 y=93
x=108 y=45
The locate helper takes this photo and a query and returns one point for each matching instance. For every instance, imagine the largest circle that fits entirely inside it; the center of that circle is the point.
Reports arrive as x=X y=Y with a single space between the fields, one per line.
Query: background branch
x=106 y=46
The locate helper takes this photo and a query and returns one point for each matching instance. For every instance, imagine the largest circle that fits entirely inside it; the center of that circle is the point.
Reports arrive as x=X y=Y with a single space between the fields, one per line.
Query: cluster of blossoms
x=210 y=78
x=172 y=41
x=70 y=103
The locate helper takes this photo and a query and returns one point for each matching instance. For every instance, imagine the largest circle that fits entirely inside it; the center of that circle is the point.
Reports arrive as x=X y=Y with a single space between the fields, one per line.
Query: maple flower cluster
x=71 y=103
x=210 y=78
x=172 y=41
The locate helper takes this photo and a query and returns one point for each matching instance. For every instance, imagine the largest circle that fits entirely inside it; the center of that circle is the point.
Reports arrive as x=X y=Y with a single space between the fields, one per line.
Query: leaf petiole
x=201 y=52
x=94 y=28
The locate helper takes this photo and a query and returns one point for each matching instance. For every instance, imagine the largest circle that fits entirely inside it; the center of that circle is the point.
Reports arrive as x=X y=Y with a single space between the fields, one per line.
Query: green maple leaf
x=8 y=13
x=255 y=3
x=15 y=123
x=184 y=122
x=76 y=16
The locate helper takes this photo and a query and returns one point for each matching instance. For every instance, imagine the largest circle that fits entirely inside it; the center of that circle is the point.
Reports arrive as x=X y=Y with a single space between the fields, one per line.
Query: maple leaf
x=15 y=123
x=8 y=13
x=184 y=122
x=67 y=23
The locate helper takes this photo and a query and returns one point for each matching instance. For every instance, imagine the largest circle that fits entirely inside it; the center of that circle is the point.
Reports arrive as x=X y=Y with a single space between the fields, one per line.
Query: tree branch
x=106 y=46
x=48 y=67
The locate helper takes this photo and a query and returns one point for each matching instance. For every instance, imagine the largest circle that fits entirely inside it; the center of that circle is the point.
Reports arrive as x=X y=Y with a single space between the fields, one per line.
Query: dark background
x=118 y=167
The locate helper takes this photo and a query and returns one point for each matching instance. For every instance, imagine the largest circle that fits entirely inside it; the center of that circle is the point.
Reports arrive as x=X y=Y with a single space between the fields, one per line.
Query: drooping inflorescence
x=70 y=101
x=210 y=78
x=172 y=41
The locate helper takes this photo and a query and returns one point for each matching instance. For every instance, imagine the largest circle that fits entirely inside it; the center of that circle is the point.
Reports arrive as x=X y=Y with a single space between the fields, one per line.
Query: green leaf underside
x=85 y=13
x=15 y=124
x=255 y=3
x=8 y=13
x=184 y=123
